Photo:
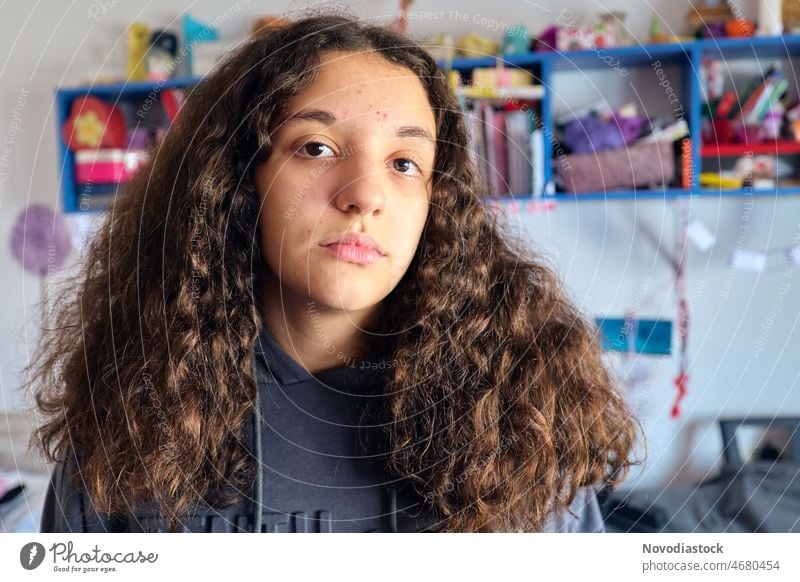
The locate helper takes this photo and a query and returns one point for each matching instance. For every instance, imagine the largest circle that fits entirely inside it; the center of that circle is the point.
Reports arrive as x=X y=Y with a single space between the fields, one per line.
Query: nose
x=362 y=186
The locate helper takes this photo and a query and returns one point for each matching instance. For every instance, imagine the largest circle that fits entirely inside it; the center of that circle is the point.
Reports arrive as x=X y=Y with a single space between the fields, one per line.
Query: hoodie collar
x=285 y=370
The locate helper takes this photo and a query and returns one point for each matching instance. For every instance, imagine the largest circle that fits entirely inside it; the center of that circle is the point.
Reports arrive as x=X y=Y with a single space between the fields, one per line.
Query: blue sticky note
x=649 y=336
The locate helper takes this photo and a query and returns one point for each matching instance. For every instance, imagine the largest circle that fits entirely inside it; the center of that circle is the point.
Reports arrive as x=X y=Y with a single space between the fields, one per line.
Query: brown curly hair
x=498 y=408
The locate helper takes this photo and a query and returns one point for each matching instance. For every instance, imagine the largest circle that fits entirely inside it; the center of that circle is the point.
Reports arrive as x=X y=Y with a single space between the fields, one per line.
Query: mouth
x=354 y=253
x=354 y=247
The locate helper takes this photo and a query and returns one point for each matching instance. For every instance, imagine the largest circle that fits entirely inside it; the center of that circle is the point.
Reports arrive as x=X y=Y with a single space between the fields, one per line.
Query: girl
x=302 y=317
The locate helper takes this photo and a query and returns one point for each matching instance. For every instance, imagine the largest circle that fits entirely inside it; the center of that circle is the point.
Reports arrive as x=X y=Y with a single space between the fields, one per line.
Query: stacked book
x=507 y=148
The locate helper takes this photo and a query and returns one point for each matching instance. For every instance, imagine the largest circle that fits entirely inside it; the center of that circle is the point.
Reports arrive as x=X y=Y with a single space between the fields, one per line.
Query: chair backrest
x=730 y=447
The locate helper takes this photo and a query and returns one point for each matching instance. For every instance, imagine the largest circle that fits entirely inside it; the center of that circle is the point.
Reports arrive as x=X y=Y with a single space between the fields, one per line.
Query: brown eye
x=412 y=163
x=313 y=146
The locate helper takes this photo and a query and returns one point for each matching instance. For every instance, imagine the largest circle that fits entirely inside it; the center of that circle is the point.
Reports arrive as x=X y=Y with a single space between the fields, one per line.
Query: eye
x=413 y=163
x=315 y=145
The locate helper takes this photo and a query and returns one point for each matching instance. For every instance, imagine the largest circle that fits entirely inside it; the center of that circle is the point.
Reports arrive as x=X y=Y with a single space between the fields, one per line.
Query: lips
x=354 y=247
x=355 y=239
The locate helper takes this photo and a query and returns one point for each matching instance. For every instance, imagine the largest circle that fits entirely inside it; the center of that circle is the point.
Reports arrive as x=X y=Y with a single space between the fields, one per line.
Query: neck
x=316 y=336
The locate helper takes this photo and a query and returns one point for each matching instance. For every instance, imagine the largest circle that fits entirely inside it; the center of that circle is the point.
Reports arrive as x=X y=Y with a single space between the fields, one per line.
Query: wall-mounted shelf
x=666 y=194
x=544 y=66
x=82 y=197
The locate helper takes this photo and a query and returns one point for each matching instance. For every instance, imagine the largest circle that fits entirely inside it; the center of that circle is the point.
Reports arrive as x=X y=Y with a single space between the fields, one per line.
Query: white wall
x=596 y=245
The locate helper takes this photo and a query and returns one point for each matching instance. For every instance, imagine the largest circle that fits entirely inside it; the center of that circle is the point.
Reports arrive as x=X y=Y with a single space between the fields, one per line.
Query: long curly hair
x=498 y=406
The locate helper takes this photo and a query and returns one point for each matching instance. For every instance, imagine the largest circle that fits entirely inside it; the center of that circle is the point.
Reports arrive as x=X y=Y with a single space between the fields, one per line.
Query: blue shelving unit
x=544 y=66
x=70 y=191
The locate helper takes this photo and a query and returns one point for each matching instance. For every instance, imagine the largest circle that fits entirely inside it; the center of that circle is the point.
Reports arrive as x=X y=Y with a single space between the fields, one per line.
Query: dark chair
x=730 y=447
x=636 y=512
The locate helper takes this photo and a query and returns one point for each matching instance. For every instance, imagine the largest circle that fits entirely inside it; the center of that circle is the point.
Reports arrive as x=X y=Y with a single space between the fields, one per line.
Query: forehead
x=366 y=88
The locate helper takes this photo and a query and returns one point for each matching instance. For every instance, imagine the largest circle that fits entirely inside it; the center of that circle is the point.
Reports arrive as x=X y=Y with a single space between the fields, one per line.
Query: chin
x=347 y=297
x=343 y=306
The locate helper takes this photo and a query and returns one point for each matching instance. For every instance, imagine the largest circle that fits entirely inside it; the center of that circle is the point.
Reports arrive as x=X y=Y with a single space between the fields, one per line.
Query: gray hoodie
x=321 y=470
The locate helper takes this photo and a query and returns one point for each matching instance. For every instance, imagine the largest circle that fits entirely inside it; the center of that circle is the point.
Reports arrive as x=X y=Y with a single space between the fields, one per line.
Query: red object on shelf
x=739 y=27
x=92 y=124
x=686 y=163
x=172 y=100
x=725 y=105
x=719 y=131
x=782 y=147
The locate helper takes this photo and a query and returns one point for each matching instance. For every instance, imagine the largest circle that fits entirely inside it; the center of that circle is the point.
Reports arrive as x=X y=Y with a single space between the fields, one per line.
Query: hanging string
x=681 y=381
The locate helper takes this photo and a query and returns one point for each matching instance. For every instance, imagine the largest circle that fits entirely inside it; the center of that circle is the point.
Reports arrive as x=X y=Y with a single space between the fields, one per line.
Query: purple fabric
x=591 y=134
x=40 y=240
x=547 y=39
x=139 y=139
x=631 y=127
x=713 y=30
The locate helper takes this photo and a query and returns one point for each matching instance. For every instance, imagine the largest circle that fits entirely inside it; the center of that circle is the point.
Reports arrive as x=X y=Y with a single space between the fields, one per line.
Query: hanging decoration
x=40 y=240
x=682 y=319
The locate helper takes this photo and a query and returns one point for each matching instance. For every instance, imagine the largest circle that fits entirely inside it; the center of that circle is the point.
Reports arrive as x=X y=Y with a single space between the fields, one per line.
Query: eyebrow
x=325 y=117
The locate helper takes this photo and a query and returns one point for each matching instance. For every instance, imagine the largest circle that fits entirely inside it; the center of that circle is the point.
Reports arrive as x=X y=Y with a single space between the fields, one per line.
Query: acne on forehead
x=381 y=114
x=352 y=71
x=329 y=83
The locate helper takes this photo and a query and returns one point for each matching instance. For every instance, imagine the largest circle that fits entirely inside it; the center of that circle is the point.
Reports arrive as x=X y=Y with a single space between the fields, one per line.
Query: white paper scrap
x=748 y=260
x=699 y=234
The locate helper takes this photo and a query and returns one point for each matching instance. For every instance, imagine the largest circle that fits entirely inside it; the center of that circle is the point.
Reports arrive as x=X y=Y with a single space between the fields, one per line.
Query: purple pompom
x=590 y=134
x=40 y=240
x=631 y=127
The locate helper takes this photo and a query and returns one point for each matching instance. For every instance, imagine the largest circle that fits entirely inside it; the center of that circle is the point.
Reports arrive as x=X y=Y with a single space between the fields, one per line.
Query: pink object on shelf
x=749 y=133
x=107 y=166
x=719 y=131
x=636 y=166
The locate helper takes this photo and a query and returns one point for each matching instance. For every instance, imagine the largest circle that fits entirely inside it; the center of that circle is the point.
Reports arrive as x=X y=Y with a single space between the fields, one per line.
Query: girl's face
x=354 y=154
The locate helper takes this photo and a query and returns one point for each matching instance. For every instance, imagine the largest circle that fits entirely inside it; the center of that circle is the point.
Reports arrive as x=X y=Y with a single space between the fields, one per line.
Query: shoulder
x=67 y=505
x=62 y=512
x=587 y=516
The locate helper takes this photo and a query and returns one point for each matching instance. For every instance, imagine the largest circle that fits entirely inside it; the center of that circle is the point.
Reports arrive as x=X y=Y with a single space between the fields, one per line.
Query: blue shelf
x=72 y=199
x=522 y=61
x=544 y=65
x=134 y=88
x=628 y=56
x=755 y=192
x=665 y=194
x=770 y=47
x=645 y=54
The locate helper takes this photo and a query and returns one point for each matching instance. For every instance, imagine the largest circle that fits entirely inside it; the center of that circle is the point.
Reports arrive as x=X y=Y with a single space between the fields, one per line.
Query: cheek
x=277 y=194
x=284 y=208
x=409 y=224
x=274 y=221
